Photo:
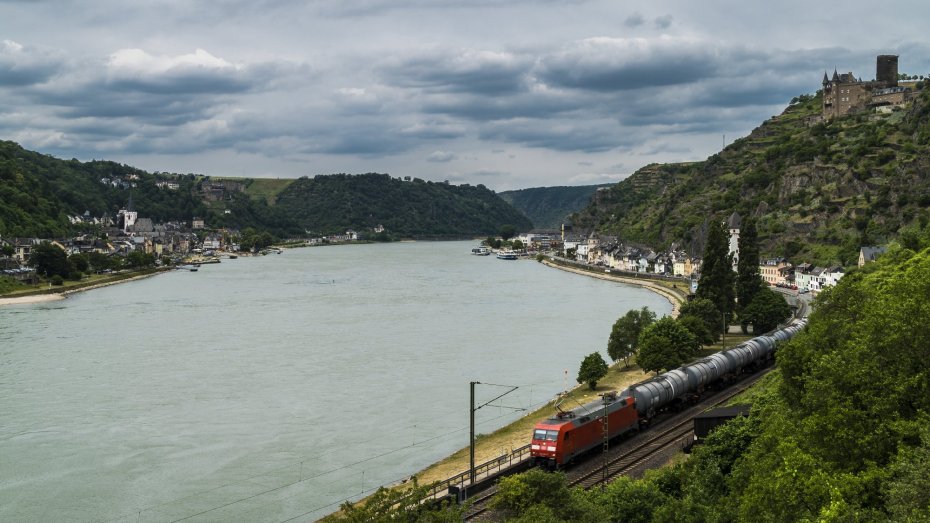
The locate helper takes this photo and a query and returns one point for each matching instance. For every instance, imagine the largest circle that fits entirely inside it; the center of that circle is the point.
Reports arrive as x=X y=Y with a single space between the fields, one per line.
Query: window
x=539 y=434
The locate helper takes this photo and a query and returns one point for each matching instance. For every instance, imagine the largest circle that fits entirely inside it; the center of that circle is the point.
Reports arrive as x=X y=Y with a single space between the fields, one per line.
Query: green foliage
x=592 y=369
x=748 y=280
x=545 y=495
x=38 y=193
x=624 y=336
x=549 y=207
x=397 y=505
x=57 y=280
x=766 y=311
x=139 y=259
x=805 y=183
x=507 y=231
x=335 y=203
x=49 y=260
x=717 y=278
x=707 y=312
x=8 y=284
x=79 y=262
x=698 y=328
x=666 y=344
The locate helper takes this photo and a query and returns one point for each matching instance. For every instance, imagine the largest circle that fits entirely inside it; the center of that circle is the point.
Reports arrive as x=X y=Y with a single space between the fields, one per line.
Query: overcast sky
x=507 y=93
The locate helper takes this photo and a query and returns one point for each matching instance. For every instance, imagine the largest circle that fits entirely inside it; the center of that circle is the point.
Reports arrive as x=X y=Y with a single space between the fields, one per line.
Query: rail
x=483 y=470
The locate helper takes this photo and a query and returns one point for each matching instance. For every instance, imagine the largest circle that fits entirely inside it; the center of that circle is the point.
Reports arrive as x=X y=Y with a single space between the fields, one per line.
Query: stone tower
x=886 y=69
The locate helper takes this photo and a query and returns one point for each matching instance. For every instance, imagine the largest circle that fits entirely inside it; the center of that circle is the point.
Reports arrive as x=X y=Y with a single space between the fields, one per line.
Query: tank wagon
x=561 y=438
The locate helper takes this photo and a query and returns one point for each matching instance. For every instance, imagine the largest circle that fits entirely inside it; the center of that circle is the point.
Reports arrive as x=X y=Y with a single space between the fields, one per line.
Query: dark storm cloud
x=587 y=136
x=663 y=22
x=478 y=72
x=23 y=66
x=614 y=64
x=634 y=20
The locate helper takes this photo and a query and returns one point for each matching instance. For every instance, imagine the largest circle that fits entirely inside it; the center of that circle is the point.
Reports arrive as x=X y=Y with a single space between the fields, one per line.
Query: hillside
x=549 y=207
x=408 y=208
x=818 y=190
x=39 y=194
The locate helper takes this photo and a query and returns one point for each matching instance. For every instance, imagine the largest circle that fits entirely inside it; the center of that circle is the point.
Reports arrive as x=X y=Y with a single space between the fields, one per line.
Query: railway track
x=635 y=453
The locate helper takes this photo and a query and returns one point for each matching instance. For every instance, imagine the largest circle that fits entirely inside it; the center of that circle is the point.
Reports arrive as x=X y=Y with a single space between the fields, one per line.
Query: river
x=272 y=388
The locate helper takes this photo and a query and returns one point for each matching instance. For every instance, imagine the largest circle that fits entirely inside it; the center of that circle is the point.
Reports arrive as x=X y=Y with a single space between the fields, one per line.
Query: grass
x=517 y=434
x=94 y=279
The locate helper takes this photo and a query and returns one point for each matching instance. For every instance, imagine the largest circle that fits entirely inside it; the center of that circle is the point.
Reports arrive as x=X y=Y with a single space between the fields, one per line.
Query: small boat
x=481 y=250
x=506 y=255
x=232 y=256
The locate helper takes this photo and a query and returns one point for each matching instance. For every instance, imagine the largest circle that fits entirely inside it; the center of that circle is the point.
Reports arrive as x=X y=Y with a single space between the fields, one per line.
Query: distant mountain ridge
x=550 y=207
x=40 y=195
x=818 y=189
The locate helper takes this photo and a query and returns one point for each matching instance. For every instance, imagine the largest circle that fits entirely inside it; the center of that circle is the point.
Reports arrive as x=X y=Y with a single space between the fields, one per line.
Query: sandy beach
x=35 y=298
x=41 y=298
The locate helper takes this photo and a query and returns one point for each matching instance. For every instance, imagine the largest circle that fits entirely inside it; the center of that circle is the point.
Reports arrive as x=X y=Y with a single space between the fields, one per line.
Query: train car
x=561 y=438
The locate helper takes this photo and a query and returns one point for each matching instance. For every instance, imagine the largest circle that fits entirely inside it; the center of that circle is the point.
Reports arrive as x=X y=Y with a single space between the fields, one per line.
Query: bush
x=57 y=280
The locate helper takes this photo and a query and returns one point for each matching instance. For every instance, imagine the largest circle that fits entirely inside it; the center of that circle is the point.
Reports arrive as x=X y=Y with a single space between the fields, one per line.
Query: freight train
x=569 y=433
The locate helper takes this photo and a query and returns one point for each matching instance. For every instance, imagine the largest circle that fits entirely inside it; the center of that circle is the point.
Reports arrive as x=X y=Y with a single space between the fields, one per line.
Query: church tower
x=733 y=224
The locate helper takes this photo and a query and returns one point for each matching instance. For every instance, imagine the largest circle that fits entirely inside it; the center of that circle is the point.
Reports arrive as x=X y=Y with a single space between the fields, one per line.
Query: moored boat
x=506 y=255
x=481 y=250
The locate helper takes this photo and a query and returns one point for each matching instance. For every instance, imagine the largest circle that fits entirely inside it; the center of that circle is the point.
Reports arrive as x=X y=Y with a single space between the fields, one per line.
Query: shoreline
x=58 y=296
x=620 y=375
x=671 y=296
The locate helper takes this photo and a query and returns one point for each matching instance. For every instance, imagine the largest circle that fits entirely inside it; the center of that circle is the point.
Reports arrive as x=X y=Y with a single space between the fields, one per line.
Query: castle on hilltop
x=844 y=93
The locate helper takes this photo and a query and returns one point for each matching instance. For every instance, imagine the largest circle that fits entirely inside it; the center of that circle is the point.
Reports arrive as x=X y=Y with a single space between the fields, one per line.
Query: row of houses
x=608 y=252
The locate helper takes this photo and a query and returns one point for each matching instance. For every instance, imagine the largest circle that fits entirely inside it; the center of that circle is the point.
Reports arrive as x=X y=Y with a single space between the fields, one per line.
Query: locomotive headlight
x=550 y=449
x=534 y=447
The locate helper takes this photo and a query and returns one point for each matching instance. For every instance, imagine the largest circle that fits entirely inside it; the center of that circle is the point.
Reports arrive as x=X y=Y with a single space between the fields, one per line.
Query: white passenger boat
x=481 y=250
x=506 y=255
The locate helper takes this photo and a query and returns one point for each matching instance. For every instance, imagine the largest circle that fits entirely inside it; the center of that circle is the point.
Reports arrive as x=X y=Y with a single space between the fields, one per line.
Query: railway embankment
x=516 y=434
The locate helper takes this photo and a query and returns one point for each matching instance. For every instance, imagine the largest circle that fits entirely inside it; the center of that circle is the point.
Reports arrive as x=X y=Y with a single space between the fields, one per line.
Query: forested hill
x=818 y=191
x=406 y=207
x=549 y=207
x=38 y=194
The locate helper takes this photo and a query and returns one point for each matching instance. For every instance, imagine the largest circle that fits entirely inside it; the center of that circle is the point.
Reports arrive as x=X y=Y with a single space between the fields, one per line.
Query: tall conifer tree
x=717 y=276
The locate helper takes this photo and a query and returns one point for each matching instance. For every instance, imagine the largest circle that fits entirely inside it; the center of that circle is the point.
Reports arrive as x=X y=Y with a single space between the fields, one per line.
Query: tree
x=508 y=231
x=397 y=504
x=99 y=261
x=748 y=280
x=50 y=260
x=716 y=282
x=766 y=311
x=517 y=245
x=79 y=261
x=697 y=327
x=624 y=336
x=666 y=344
x=705 y=310
x=592 y=369
x=139 y=259
x=8 y=251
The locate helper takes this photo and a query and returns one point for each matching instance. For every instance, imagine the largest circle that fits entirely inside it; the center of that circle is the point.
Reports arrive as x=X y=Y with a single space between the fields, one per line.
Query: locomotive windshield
x=548 y=435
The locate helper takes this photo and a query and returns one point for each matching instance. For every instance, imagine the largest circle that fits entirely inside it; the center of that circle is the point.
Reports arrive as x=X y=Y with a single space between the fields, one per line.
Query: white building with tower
x=733 y=224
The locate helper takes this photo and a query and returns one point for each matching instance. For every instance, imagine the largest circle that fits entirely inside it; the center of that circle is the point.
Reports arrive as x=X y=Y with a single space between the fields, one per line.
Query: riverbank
x=60 y=293
x=674 y=295
x=516 y=434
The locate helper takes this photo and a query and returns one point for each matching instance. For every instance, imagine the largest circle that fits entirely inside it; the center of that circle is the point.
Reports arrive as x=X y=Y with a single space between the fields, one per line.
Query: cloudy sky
x=507 y=93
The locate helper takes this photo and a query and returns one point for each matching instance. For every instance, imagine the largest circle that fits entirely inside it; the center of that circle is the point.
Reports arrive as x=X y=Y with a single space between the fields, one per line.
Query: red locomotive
x=561 y=438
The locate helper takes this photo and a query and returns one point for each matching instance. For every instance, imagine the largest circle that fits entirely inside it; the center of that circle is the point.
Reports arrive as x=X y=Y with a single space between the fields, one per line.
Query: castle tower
x=886 y=69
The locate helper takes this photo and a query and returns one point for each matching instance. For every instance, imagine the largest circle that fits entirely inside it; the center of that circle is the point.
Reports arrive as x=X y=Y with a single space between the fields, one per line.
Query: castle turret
x=886 y=69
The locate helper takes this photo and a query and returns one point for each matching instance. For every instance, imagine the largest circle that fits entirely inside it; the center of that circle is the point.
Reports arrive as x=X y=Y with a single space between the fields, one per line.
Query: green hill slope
x=550 y=207
x=818 y=190
x=38 y=194
x=409 y=208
